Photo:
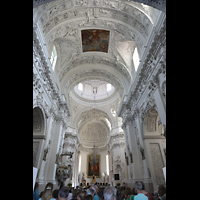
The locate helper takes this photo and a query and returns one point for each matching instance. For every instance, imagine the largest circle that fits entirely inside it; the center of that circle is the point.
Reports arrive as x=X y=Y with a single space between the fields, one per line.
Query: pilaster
x=135 y=165
x=46 y=146
x=57 y=131
x=126 y=153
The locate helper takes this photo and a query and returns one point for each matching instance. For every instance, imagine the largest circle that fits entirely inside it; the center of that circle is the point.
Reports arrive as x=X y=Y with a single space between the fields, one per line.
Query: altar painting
x=93 y=169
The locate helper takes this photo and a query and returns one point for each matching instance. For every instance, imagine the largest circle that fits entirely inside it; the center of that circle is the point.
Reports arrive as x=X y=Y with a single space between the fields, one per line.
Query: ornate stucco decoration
x=43 y=66
x=152 y=62
x=158 y=4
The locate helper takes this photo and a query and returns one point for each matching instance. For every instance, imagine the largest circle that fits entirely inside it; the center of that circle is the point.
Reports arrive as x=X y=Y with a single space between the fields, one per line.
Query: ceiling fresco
x=95 y=40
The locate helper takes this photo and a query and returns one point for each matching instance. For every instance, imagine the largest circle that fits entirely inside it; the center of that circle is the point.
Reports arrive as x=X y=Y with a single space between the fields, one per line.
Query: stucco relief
x=35 y=151
x=157 y=163
x=112 y=9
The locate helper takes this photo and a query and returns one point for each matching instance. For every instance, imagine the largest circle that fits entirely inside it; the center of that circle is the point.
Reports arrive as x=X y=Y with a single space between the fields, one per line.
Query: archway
x=38 y=134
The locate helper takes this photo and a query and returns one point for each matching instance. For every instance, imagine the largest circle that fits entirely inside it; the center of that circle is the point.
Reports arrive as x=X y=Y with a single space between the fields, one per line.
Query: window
x=108 y=86
x=79 y=167
x=136 y=58
x=107 y=165
x=80 y=86
x=53 y=57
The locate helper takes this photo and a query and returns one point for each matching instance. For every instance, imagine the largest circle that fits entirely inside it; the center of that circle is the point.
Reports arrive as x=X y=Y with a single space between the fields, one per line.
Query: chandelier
x=94 y=155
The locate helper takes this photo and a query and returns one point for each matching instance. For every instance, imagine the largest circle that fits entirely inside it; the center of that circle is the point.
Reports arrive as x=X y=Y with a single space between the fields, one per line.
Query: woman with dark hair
x=47 y=195
x=48 y=192
x=120 y=196
x=129 y=193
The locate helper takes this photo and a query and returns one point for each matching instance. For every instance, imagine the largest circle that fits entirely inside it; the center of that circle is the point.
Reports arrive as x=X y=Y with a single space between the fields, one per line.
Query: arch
x=38 y=123
x=38 y=134
x=89 y=114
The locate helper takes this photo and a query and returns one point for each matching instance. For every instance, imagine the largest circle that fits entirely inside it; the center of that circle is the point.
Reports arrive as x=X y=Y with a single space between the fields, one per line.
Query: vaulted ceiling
x=94 y=40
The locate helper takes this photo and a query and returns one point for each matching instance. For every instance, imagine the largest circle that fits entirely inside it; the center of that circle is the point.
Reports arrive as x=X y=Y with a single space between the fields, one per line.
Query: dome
x=94 y=90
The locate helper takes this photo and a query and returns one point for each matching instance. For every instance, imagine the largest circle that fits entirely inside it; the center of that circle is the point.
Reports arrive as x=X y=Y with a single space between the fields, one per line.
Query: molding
x=153 y=137
x=39 y=136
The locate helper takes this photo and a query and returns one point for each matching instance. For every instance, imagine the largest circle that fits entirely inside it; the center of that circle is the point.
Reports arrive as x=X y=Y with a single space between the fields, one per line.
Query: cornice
x=100 y=149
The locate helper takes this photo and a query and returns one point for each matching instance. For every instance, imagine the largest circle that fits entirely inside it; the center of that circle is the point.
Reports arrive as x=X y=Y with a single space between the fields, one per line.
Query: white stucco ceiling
x=129 y=24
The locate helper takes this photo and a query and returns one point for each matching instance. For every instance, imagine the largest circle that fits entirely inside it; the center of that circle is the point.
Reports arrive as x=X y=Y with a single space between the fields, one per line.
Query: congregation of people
x=96 y=192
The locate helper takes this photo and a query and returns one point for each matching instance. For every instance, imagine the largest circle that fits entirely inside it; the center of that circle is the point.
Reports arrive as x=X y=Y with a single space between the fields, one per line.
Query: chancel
x=99 y=92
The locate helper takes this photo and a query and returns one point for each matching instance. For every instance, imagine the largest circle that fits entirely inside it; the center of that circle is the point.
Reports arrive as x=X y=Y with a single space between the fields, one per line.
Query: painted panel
x=95 y=40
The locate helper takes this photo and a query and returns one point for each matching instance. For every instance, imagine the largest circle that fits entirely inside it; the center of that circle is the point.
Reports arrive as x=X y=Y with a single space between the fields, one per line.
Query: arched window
x=108 y=87
x=80 y=86
x=107 y=164
x=136 y=58
x=53 y=57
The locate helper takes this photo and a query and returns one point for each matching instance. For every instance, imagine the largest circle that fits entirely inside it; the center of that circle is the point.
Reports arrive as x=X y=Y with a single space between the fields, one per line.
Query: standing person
x=129 y=193
x=95 y=196
x=49 y=185
x=99 y=193
x=120 y=196
x=36 y=193
x=81 y=195
x=148 y=194
x=109 y=193
x=162 y=192
x=63 y=193
x=156 y=195
x=124 y=185
x=69 y=195
x=88 y=197
x=74 y=194
x=90 y=191
x=138 y=189
x=55 y=194
x=48 y=195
